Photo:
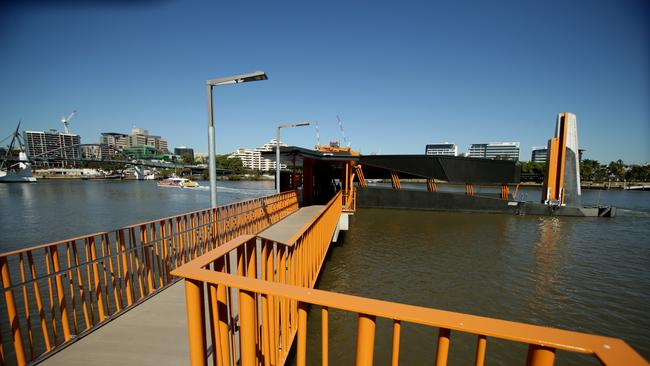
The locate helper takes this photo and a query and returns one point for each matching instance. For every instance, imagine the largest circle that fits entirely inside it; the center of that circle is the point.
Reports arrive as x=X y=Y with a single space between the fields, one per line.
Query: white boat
x=17 y=173
x=21 y=170
x=178 y=183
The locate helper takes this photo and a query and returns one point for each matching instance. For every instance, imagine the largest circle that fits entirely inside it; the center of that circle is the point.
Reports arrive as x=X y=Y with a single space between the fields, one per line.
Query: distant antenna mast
x=66 y=121
x=317 y=135
x=345 y=139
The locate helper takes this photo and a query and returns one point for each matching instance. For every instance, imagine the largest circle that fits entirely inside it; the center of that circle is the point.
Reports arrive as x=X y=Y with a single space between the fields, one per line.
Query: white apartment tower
x=252 y=159
x=495 y=150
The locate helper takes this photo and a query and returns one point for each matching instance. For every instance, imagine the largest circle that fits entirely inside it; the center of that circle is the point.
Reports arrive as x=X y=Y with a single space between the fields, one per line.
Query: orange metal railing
x=54 y=293
x=349 y=200
x=267 y=325
x=268 y=303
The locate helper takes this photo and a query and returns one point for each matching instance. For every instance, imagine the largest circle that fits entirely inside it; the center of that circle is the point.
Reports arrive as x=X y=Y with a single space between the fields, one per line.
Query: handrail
x=296 y=262
x=280 y=288
x=70 y=287
x=610 y=351
x=306 y=226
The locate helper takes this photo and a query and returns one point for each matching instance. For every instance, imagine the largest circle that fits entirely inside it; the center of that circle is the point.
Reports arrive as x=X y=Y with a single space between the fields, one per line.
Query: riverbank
x=232 y=177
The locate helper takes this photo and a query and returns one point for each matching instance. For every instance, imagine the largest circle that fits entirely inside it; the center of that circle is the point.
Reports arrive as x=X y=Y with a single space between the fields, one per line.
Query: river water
x=584 y=274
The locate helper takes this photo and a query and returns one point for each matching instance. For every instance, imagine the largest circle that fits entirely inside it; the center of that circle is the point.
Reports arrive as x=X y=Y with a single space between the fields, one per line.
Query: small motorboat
x=178 y=183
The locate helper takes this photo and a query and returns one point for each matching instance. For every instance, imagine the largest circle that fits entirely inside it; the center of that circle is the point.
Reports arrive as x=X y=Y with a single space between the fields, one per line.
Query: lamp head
x=236 y=79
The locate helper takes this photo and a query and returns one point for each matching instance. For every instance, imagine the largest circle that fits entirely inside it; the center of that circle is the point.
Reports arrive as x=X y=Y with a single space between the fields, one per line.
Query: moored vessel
x=21 y=169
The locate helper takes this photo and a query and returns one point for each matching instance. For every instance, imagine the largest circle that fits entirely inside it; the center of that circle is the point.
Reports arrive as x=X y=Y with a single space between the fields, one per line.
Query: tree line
x=594 y=171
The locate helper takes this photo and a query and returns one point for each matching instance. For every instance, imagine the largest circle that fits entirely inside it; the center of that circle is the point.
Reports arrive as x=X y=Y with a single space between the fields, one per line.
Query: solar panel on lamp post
x=277 y=151
x=212 y=165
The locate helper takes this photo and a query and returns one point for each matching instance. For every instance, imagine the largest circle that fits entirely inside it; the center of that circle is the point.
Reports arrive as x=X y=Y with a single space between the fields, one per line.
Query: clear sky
x=400 y=74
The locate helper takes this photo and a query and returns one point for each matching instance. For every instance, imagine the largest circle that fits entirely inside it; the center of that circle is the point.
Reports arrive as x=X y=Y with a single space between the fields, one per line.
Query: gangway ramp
x=152 y=333
x=286 y=230
x=155 y=331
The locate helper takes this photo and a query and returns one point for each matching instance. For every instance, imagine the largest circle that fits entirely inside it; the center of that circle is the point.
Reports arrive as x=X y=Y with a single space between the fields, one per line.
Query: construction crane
x=334 y=146
x=345 y=139
x=66 y=121
x=317 y=136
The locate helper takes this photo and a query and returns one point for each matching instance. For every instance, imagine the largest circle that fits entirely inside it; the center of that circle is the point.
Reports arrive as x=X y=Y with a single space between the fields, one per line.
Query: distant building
x=112 y=143
x=252 y=159
x=116 y=140
x=538 y=154
x=140 y=152
x=141 y=137
x=186 y=153
x=270 y=146
x=201 y=157
x=249 y=158
x=441 y=149
x=495 y=150
x=60 y=149
x=92 y=152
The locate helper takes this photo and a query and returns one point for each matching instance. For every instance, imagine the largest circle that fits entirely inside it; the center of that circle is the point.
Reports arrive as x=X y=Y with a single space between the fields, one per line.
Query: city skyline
x=399 y=77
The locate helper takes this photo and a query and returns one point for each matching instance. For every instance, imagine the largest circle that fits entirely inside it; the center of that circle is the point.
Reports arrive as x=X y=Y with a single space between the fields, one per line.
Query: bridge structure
x=224 y=286
x=122 y=159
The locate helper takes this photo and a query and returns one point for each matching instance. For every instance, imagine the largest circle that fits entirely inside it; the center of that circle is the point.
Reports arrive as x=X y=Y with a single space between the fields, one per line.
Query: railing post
x=195 y=322
x=540 y=356
x=247 y=328
x=11 y=313
x=481 y=345
x=396 y=335
x=325 y=336
x=442 y=352
x=365 y=339
x=125 y=267
x=63 y=308
x=98 y=285
x=301 y=356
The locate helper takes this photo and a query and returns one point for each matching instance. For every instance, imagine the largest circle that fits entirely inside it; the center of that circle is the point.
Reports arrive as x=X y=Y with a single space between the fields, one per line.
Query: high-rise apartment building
x=252 y=159
x=538 y=155
x=60 y=149
x=495 y=150
x=441 y=149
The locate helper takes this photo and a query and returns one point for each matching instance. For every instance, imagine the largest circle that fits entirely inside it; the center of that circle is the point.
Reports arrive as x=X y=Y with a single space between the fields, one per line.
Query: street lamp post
x=212 y=165
x=277 y=151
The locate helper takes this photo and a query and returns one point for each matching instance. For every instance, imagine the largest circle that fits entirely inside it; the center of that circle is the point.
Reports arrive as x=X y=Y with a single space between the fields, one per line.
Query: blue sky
x=400 y=74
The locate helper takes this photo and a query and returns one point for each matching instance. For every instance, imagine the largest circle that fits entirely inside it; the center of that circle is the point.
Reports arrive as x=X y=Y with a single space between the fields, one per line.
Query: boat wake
x=632 y=213
x=242 y=191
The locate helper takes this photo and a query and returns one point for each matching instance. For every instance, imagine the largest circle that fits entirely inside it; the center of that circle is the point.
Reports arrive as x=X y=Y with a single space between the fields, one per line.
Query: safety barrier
x=68 y=288
x=350 y=200
x=256 y=310
x=267 y=324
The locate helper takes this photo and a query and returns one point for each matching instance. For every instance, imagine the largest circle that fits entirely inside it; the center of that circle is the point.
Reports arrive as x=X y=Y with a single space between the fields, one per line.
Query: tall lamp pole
x=212 y=164
x=277 y=151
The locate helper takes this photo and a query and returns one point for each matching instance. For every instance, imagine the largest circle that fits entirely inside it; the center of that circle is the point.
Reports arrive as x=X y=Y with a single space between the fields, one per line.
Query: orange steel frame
x=394 y=180
x=268 y=324
x=469 y=189
x=273 y=305
x=505 y=191
x=431 y=185
x=349 y=198
x=70 y=287
x=554 y=183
